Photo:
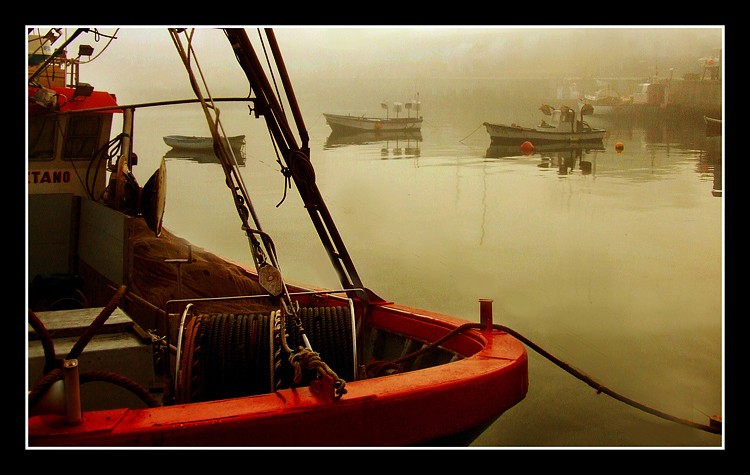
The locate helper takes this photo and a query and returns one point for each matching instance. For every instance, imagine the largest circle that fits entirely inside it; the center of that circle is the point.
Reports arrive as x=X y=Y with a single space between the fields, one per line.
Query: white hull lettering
x=55 y=176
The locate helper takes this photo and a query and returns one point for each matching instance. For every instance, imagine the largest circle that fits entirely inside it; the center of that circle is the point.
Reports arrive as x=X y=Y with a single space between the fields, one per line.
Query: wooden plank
x=71 y=323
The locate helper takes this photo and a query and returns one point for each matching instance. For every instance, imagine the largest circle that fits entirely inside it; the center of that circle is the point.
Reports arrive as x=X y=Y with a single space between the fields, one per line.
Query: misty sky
x=327 y=52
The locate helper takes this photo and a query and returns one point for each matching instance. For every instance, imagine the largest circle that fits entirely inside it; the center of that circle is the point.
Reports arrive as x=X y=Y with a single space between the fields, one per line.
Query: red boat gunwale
x=302 y=417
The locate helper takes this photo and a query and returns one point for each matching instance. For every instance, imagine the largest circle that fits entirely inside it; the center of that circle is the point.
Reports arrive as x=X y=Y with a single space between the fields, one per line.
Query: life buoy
x=378 y=126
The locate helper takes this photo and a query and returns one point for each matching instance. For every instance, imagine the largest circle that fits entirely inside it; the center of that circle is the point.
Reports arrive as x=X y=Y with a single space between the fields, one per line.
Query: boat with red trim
x=137 y=338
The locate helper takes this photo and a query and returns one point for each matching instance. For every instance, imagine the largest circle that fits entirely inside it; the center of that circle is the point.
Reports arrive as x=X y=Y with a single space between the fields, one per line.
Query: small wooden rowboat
x=185 y=142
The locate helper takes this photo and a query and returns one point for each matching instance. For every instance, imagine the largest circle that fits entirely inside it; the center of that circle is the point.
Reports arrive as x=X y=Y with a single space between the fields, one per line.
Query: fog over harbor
x=616 y=267
x=316 y=54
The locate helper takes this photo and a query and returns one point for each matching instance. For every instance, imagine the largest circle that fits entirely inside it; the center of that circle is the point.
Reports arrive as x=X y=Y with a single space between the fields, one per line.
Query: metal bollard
x=72 y=391
x=485 y=314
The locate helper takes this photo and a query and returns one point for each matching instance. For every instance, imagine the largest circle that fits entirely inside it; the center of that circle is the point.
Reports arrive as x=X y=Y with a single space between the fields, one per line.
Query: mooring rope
x=98 y=322
x=472 y=133
x=600 y=388
x=308 y=359
x=305 y=358
x=48 y=345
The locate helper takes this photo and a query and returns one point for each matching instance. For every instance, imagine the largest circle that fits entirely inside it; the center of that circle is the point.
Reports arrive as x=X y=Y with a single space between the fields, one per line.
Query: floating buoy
x=618 y=147
x=527 y=148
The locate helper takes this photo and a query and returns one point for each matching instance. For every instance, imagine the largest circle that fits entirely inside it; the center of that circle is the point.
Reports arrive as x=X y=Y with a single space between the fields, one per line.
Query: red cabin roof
x=67 y=101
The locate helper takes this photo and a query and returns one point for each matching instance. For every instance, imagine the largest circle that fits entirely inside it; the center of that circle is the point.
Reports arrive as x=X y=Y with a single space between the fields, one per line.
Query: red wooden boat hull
x=397 y=410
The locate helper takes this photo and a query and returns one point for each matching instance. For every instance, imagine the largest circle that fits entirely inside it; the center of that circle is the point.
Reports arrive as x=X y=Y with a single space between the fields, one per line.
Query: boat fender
x=152 y=199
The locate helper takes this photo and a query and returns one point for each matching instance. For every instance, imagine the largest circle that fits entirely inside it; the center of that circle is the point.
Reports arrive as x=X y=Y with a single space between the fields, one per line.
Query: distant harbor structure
x=698 y=94
x=702 y=93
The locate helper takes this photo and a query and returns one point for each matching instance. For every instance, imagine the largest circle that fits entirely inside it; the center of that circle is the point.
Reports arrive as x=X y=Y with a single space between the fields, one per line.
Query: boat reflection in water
x=395 y=143
x=710 y=163
x=560 y=156
x=203 y=155
x=716 y=191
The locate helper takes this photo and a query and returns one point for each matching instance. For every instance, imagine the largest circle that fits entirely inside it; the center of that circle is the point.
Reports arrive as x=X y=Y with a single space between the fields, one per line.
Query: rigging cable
x=269 y=274
x=285 y=171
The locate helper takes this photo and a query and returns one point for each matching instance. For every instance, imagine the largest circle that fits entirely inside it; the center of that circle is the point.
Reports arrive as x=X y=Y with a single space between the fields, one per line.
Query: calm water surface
x=613 y=262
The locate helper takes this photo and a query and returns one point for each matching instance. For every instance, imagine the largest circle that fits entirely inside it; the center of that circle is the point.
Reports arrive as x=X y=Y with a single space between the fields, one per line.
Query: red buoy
x=619 y=146
x=527 y=148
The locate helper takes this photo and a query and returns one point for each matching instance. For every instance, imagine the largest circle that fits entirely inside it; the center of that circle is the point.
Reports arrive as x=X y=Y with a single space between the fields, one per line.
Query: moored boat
x=713 y=125
x=353 y=124
x=185 y=142
x=186 y=348
x=349 y=124
x=564 y=127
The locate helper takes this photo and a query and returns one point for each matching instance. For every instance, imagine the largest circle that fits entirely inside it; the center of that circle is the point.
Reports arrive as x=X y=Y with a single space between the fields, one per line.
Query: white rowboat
x=201 y=143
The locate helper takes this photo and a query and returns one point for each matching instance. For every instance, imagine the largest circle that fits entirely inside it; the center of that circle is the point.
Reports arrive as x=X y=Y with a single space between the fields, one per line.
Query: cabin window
x=82 y=137
x=42 y=132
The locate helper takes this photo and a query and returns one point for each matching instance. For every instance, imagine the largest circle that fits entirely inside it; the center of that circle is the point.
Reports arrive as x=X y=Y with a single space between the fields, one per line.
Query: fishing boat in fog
x=348 y=124
x=565 y=126
x=188 y=349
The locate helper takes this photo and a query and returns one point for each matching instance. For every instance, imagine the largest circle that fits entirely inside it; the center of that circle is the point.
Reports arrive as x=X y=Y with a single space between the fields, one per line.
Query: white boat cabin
x=562 y=118
x=69 y=123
